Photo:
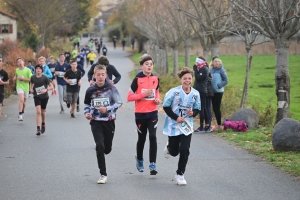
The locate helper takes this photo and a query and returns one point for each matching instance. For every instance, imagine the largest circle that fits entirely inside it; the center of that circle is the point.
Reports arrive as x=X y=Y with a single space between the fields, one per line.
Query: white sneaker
x=166 y=152
x=180 y=179
x=102 y=179
x=20 y=118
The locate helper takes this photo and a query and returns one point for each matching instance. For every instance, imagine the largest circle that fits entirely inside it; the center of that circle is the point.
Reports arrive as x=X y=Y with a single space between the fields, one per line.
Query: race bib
x=104 y=101
x=61 y=74
x=52 y=69
x=73 y=81
x=185 y=128
x=38 y=90
x=151 y=97
x=78 y=60
x=104 y=50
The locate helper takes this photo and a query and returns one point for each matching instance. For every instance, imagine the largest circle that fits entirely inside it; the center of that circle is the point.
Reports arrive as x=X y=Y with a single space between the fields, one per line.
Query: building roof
x=7 y=14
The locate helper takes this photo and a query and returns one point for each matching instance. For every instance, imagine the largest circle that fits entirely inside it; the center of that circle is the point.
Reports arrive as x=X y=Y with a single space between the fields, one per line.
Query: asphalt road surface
x=61 y=164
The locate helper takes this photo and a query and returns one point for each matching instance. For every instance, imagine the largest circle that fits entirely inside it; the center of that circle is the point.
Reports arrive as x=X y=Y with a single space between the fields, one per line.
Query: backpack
x=239 y=126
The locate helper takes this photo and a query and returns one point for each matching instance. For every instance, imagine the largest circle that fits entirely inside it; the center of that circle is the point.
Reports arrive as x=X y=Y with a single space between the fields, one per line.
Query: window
x=6 y=28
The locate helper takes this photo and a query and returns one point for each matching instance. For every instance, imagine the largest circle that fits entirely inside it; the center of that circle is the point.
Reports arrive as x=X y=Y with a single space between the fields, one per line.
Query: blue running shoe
x=152 y=168
x=139 y=164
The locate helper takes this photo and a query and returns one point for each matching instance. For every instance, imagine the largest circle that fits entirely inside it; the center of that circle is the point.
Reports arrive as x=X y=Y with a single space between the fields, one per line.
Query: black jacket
x=201 y=78
x=111 y=71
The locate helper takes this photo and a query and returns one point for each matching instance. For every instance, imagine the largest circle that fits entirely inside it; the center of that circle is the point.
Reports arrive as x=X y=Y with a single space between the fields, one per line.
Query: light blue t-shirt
x=180 y=102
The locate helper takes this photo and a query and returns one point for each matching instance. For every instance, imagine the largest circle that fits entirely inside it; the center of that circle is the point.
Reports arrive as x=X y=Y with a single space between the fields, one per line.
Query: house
x=8 y=26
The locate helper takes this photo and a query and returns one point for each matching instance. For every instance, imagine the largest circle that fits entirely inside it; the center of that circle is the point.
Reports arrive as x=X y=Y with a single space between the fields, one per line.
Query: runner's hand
x=157 y=101
x=189 y=112
x=180 y=119
x=88 y=116
x=91 y=82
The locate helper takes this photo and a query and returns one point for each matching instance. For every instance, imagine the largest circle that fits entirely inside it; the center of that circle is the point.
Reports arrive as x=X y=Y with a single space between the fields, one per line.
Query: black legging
x=216 y=103
x=203 y=112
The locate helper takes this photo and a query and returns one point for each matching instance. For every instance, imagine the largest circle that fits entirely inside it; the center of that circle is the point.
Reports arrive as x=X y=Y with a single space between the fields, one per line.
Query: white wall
x=7 y=20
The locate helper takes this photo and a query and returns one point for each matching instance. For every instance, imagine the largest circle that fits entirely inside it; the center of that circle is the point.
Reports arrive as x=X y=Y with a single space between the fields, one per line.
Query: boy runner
x=73 y=80
x=39 y=86
x=60 y=70
x=91 y=56
x=4 y=80
x=144 y=90
x=101 y=103
x=52 y=66
x=22 y=78
x=181 y=105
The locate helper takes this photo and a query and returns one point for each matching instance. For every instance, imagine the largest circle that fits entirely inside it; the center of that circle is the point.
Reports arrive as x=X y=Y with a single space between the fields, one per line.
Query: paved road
x=61 y=164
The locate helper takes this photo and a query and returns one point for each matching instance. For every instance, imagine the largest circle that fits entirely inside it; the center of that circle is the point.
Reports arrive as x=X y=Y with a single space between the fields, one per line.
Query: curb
x=10 y=99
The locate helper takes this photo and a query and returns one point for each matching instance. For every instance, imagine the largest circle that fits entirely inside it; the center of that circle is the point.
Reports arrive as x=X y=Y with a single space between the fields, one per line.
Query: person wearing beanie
x=144 y=91
x=39 y=86
x=111 y=71
x=22 y=79
x=201 y=72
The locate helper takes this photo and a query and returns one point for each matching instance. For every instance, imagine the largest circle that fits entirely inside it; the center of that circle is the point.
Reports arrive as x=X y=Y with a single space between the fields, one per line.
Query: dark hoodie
x=201 y=78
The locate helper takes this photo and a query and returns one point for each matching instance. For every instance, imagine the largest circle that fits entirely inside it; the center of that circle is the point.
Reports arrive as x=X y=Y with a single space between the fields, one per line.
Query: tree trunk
x=187 y=47
x=166 y=61
x=205 y=53
x=175 y=61
x=282 y=78
x=246 y=84
x=215 y=49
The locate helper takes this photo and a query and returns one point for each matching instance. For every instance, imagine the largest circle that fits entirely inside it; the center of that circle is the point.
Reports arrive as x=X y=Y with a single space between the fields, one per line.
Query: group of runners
x=102 y=100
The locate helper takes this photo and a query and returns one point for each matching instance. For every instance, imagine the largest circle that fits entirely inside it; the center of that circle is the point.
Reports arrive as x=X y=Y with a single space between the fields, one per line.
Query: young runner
x=101 y=103
x=46 y=70
x=104 y=50
x=67 y=56
x=22 y=78
x=52 y=66
x=4 y=80
x=181 y=105
x=110 y=70
x=60 y=70
x=29 y=66
x=91 y=56
x=144 y=90
x=39 y=86
x=73 y=80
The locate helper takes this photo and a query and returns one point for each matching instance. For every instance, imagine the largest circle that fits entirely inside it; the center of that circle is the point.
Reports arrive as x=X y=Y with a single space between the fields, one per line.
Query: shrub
x=266 y=114
x=10 y=52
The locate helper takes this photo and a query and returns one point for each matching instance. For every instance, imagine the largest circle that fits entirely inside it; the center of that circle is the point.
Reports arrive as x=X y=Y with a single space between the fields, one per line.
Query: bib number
x=151 y=97
x=61 y=74
x=38 y=90
x=98 y=102
x=73 y=81
x=185 y=128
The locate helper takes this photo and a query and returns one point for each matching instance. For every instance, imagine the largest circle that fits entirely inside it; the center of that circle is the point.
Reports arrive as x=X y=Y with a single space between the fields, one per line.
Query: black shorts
x=92 y=62
x=1 y=99
x=41 y=102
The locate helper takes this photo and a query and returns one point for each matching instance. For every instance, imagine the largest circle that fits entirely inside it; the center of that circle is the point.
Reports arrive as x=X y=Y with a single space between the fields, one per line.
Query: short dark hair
x=39 y=66
x=145 y=58
x=73 y=60
x=184 y=71
x=103 y=60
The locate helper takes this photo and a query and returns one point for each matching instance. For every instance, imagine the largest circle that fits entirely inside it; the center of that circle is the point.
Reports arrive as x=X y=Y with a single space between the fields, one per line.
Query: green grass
x=262 y=91
x=259 y=142
x=262 y=78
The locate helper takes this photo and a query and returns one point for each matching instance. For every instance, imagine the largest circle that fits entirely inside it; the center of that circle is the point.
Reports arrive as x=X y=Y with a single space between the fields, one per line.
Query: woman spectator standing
x=201 y=72
x=219 y=80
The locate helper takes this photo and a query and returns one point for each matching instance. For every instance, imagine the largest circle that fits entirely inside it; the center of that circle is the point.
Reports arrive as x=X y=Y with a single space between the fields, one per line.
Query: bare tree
x=278 y=20
x=212 y=16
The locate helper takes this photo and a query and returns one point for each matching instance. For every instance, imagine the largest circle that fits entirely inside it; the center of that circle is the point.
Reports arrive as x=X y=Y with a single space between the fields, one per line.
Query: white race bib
x=151 y=97
x=185 y=128
x=104 y=101
x=73 y=81
x=39 y=90
x=52 y=69
x=61 y=74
